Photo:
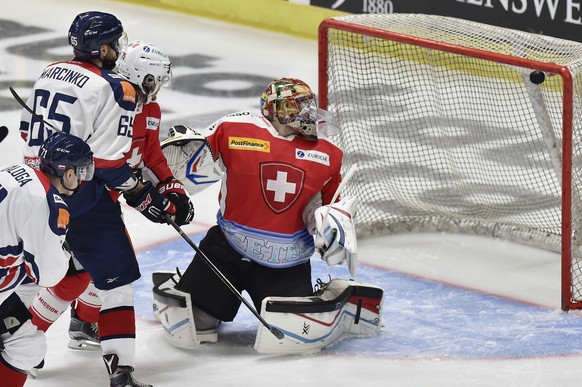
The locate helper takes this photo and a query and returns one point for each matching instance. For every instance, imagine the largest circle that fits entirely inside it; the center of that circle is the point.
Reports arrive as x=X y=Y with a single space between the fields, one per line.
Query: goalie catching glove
x=175 y=192
x=190 y=159
x=150 y=203
x=335 y=235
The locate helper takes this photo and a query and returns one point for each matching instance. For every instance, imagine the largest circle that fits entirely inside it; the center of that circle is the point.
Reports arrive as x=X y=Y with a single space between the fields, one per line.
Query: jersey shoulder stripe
x=59 y=215
x=58 y=211
x=123 y=91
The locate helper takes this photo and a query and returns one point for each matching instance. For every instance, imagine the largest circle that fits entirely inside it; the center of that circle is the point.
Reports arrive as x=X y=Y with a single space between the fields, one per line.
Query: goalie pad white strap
x=174 y=310
x=190 y=159
x=344 y=309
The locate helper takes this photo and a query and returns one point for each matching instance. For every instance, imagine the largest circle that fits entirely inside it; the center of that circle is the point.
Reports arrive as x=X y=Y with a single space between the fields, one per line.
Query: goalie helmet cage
x=459 y=126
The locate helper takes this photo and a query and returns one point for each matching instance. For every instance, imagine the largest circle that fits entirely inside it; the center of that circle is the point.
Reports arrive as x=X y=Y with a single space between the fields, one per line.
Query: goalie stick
x=277 y=333
x=341 y=186
x=25 y=106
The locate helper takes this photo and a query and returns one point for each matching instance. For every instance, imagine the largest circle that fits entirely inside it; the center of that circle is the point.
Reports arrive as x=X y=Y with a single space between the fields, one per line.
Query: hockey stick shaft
x=341 y=186
x=28 y=109
x=3 y=133
x=277 y=333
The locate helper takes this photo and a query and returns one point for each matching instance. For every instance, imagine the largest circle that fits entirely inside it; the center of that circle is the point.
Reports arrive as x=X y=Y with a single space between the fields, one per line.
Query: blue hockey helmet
x=62 y=151
x=90 y=30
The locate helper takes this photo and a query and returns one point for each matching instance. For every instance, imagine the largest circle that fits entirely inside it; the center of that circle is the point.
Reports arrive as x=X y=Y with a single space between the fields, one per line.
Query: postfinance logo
x=252 y=144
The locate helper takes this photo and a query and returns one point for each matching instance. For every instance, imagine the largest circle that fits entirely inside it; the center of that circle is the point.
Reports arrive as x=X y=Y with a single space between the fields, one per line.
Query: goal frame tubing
x=549 y=68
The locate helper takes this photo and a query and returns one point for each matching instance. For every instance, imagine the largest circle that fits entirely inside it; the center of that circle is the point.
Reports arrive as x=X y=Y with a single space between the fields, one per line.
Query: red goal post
x=459 y=126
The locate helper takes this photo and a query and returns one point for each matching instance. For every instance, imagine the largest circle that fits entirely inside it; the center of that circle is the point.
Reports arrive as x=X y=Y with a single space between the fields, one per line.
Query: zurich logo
x=146 y=49
x=300 y=154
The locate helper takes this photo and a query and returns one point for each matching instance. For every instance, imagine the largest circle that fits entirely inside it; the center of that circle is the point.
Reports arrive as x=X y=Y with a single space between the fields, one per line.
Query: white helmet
x=146 y=66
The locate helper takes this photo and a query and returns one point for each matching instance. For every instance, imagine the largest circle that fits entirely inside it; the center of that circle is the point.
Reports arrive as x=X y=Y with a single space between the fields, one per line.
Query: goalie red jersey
x=273 y=185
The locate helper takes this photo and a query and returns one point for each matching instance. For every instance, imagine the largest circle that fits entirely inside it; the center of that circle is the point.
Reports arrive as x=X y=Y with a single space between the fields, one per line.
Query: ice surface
x=458 y=310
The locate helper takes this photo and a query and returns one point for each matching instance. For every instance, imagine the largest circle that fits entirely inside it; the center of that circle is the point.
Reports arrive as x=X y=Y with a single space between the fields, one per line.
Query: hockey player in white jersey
x=84 y=96
x=148 y=68
x=34 y=219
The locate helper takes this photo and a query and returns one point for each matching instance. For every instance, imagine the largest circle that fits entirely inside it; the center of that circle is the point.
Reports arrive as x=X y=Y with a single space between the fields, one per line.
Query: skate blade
x=83 y=345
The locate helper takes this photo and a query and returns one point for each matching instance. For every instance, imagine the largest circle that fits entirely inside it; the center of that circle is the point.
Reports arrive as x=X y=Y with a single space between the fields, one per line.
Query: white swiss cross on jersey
x=281 y=185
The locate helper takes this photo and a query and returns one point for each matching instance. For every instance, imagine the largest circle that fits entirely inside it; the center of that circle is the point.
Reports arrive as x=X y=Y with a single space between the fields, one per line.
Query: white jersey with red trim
x=34 y=220
x=269 y=182
x=80 y=98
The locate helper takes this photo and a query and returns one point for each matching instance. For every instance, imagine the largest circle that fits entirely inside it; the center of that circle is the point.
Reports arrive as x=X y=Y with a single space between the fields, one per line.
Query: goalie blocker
x=341 y=309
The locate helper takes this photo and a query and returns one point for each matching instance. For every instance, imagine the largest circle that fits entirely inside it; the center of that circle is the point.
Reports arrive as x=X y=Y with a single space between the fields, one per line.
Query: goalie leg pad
x=343 y=309
x=365 y=308
x=173 y=308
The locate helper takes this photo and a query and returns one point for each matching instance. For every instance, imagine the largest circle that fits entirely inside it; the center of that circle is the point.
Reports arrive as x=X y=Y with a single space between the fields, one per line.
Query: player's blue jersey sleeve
x=58 y=220
x=89 y=194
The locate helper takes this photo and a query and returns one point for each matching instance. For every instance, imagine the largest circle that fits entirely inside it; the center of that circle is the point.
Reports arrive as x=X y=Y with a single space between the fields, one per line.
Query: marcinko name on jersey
x=66 y=75
x=245 y=143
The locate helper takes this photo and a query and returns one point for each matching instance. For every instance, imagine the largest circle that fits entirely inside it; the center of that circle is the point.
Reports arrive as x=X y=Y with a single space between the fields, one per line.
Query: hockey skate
x=120 y=376
x=83 y=335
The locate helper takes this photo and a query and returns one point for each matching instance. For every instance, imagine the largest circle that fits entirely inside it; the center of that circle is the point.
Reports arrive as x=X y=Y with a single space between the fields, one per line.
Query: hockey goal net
x=459 y=126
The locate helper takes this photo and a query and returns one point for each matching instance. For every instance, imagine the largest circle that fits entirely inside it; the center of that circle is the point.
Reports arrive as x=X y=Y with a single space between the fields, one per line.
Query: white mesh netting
x=444 y=140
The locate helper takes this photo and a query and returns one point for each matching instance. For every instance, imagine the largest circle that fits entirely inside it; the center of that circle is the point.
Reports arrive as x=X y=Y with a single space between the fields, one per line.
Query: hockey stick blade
x=25 y=106
x=276 y=332
x=3 y=133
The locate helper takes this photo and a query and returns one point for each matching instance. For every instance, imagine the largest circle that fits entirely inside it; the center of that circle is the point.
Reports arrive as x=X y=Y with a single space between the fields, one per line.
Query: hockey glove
x=190 y=159
x=150 y=203
x=335 y=236
x=175 y=192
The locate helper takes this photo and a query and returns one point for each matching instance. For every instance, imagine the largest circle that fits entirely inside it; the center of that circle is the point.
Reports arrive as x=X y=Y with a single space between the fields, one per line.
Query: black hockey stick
x=277 y=333
x=3 y=133
x=25 y=106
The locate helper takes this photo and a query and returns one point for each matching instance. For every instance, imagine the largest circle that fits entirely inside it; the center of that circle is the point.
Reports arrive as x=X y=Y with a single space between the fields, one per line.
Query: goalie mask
x=146 y=66
x=292 y=103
